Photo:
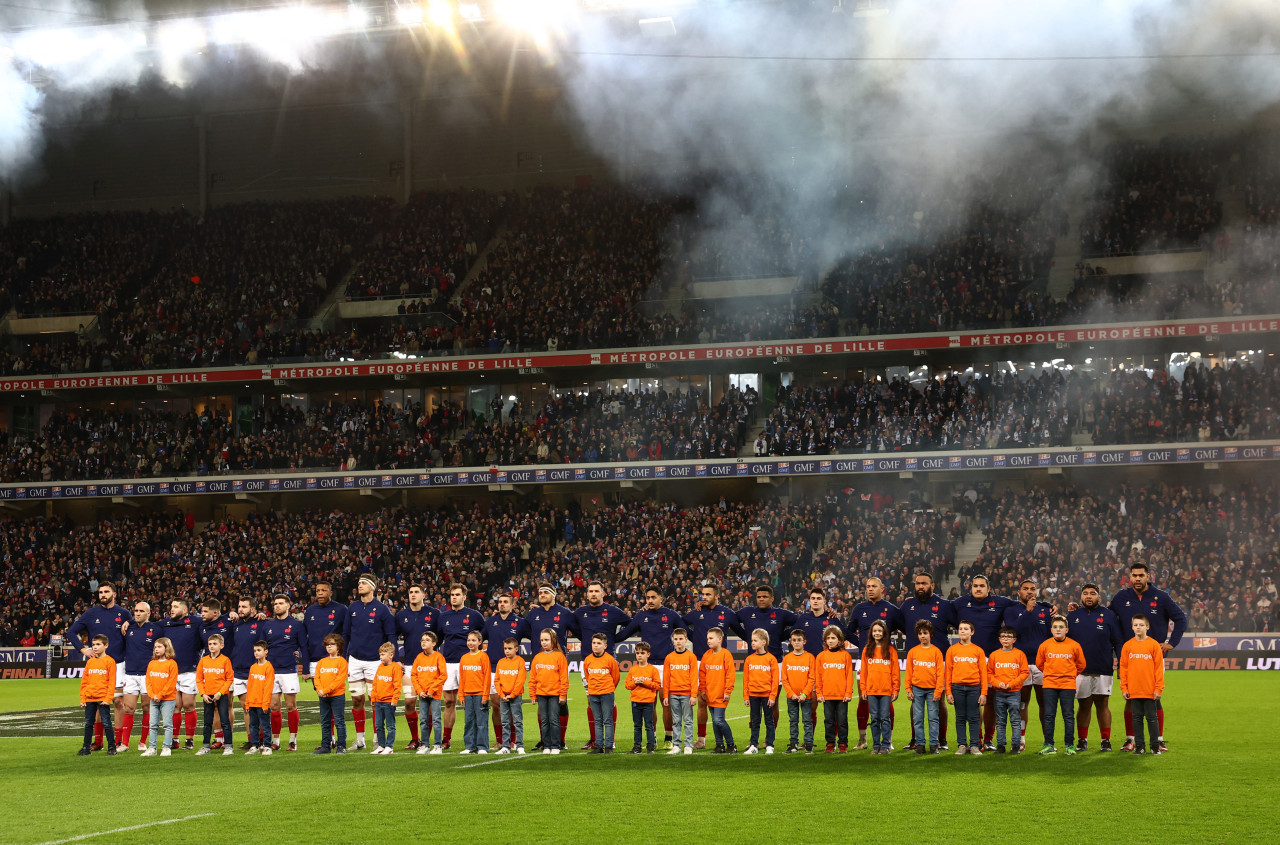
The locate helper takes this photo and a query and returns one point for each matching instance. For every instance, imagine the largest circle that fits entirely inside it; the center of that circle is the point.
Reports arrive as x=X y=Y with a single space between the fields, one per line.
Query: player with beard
x=1097 y=630
x=925 y=604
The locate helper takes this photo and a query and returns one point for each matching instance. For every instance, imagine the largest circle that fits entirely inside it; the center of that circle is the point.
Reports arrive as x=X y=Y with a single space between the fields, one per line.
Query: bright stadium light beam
x=440 y=13
x=470 y=12
x=409 y=14
x=282 y=35
x=357 y=18
x=539 y=19
x=176 y=42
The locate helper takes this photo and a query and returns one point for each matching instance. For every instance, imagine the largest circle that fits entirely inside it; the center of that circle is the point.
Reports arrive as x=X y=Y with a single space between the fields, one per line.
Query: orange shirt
x=644 y=683
x=98 y=684
x=262 y=677
x=835 y=675
x=388 y=678
x=602 y=673
x=214 y=675
x=1061 y=662
x=1142 y=668
x=330 y=676
x=1008 y=667
x=680 y=674
x=509 y=677
x=473 y=674
x=716 y=676
x=798 y=674
x=759 y=677
x=880 y=675
x=427 y=674
x=966 y=664
x=549 y=674
x=925 y=668
x=162 y=680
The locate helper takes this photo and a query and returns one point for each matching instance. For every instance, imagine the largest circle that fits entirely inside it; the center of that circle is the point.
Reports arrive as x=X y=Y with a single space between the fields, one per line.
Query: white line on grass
x=125 y=829
x=491 y=762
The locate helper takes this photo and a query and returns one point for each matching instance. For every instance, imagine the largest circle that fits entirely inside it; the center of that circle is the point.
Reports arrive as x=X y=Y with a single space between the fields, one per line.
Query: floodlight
x=470 y=12
x=409 y=14
x=440 y=13
x=357 y=17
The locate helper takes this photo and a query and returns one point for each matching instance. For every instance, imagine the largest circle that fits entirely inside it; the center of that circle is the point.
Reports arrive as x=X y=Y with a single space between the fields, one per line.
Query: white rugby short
x=287 y=683
x=361 y=670
x=187 y=683
x=1090 y=685
x=406 y=688
x=451 y=679
x=239 y=686
x=135 y=684
x=121 y=671
x=1037 y=677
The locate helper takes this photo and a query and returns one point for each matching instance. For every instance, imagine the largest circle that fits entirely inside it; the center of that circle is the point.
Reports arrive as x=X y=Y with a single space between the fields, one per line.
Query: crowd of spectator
x=1216 y=553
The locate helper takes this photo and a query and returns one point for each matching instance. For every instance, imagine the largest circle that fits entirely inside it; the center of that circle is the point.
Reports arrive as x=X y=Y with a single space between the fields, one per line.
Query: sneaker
x=479 y=751
x=674 y=751
x=751 y=749
x=844 y=749
x=228 y=751
x=920 y=749
x=831 y=749
x=340 y=749
x=217 y=745
x=266 y=752
x=555 y=751
x=148 y=752
x=768 y=749
x=204 y=749
x=377 y=749
x=546 y=751
x=1048 y=749
x=437 y=749
x=588 y=746
x=1164 y=747
x=635 y=749
x=166 y=752
x=245 y=746
x=275 y=746
x=975 y=750
x=412 y=746
x=700 y=745
x=142 y=746
x=861 y=746
x=595 y=750
x=1128 y=745
x=253 y=749
x=423 y=749
x=84 y=752
x=293 y=745
x=1017 y=749
x=1157 y=750
x=792 y=748
x=610 y=749
x=732 y=749
x=942 y=745
x=520 y=752
x=189 y=745
x=1137 y=750
x=961 y=750
x=719 y=749
x=359 y=742
x=1082 y=745
x=910 y=746
x=175 y=745
x=808 y=749
x=999 y=749
x=322 y=750
x=1105 y=745
x=503 y=750
x=937 y=750
x=539 y=746
x=666 y=745
x=987 y=746
x=387 y=749
x=1070 y=751
x=122 y=748
x=465 y=751
x=688 y=749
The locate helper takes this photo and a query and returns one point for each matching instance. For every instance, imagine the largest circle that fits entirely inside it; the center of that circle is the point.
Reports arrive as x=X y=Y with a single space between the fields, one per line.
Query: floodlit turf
x=1212 y=787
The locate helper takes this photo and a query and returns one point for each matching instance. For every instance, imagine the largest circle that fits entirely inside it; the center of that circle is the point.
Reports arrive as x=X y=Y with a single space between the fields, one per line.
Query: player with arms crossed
x=369 y=625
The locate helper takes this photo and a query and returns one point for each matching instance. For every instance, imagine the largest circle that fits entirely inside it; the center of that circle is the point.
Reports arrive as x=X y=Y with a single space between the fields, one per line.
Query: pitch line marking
x=84 y=836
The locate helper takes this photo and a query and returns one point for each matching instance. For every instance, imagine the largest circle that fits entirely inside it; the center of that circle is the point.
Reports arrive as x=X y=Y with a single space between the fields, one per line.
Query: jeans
x=384 y=723
x=428 y=715
x=924 y=707
x=223 y=708
x=881 y=725
x=333 y=714
x=511 y=714
x=1053 y=699
x=1144 y=710
x=968 y=713
x=1008 y=704
x=602 y=714
x=644 y=718
x=161 y=714
x=259 y=726
x=760 y=704
x=723 y=734
x=681 y=720
x=797 y=712
x=475 y=734
x=549 y=720
x=91 y=711
x=835 y=717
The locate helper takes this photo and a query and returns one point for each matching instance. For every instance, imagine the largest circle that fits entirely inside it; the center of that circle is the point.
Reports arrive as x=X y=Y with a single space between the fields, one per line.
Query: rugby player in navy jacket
x=941 y=614
x=111 y=620
x=1031 y=619
x=1097 y=629
x=183 y=630
x=709 y=613
x=654 y=623
x=547 y=615
x=1163 y=612
x=286 y=641
x=497 y=627
x=370 y=623
x=864 y=615
x=598 y=617
x=986 y=612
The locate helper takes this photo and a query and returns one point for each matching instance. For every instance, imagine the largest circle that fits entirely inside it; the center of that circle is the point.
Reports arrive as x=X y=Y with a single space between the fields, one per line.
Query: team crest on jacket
x=664 y=619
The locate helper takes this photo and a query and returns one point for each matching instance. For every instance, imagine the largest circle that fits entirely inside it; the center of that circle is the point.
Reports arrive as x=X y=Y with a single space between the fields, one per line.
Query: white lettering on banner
x=721 y=469
x=1112 y=457
x=1067 y=458
x=639 y=472
x=1253 y=452
x=367 y=481
x=109 y=490
x=1206 y=454
x=291 y=484
x=599 y=474
x=404 y=480
x=1020 y=460
x=932 y=463
x=330 y=483
x=219 y=486
x=521 y=476
x=1160 y=455
x=889 y=463
x=559 y=474
x=680 y=472
x=804 y=466
x=973 y=462
x=846 y=466
x=761 y=469
x=253 y=486
x=182 y=487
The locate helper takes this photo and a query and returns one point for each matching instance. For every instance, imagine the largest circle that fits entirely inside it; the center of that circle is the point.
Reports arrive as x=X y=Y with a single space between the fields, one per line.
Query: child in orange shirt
x=474 y=680
x=1008 y=671
x=679 y=686
x=213 y=684
x=760 y=690
x=716 y=676
x=966 y=681
x=834 y=688
x=162 y=692
x=1142 y=682
x=388 y=677
x=257 y=700
x=645 y=682
x=428 y=676
x=1061 y=660
x=925 y=686
x=329 y=676
x=549 y=685
x=879 y=684
x=601 y=672
x=509 y=678
x=798 y=674
x=97 y=694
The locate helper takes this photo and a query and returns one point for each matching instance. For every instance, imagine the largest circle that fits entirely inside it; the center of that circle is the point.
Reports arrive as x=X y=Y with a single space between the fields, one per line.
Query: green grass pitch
x=1216 y=785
